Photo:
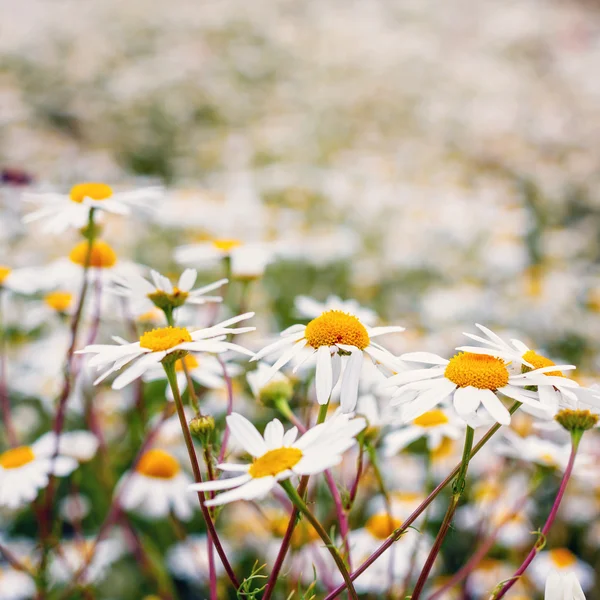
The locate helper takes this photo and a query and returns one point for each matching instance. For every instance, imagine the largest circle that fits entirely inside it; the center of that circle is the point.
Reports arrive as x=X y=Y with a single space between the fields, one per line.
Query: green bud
x=577 y=420
x=166 y=301
x=201 y=427
x=275 y=392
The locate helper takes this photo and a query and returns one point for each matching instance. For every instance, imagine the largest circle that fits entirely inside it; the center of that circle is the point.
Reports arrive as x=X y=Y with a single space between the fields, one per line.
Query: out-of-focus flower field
x=436 y=164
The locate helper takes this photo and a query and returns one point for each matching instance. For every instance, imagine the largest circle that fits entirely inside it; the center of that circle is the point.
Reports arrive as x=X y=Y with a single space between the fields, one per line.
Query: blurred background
x=439 y=162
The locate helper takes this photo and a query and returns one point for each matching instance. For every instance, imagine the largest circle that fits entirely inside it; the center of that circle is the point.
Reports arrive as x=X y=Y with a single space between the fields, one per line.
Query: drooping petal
x=246 y=434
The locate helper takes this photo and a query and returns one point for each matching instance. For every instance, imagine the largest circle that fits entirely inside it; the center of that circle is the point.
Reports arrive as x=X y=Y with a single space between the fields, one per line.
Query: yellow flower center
x=444 y=450
x=382 y=525
x=407 y=496
x=16 y=457
x=164 y=338
x=303 y=534
x=152 y=315
x=336 y=327
x=548 y=459
x=102 y=255
x=4 y=273
x=94 y=191
x=188 y=361
x=539 y=362
x=275 y=461
x=159 y=464
x=477 y=370
x=562 y=558
x=432 y=418
x=226 y=245
x=59 y=301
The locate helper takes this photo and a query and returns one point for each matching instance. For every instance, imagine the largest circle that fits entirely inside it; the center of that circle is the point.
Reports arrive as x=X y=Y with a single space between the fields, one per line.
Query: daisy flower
x=16 y=585
x=328 y=337
x=62 y=211
x=434 y=425
x=563 y=586
x=154 y=346
x=309 y=308
x=472 y=381
x=561 y=561
x=160 y=293
x=279 y=455
x=22 y=281
x=157 y=487
x=189 y=560
x=554 y=392
x=26 y=469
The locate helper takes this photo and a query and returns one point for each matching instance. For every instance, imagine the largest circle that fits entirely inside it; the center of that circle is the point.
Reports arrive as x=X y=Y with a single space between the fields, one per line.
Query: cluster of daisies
x=388 y=403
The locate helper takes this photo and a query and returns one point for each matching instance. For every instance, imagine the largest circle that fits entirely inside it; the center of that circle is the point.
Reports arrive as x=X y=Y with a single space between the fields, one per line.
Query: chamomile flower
x=472 y=381
x=25 y=470
x=308 y=308
x=554 y=389
x=61 y=211
x=189 y=560
x=154 y=346
x=561 y=561
x=326 y=338
x=563 y=586
x=15 y=585
x=161 y=293
x=22 y=281
x=157 y=486
x=434 y=425
x=279 y=455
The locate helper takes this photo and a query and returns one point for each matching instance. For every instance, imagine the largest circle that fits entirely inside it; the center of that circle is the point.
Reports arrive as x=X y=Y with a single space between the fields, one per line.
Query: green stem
x=339 y=561
x=322 y=413
x=457 y=490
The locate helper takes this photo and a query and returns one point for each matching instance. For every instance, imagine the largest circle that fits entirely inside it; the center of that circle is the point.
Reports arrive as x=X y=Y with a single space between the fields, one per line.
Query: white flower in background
x=309 y=308
x=556 y=391
x=16 y=585
x=155 y=345
x=472 y=381
x=156 y=487
x=25 y=470
x=74 y=508
x=61 y=211
x=248 y=260
x=188 y=560
x=279 y=455
x=434 y=425
x=563 y=586
x=77 y=553
x=204 y=369
x=560 y=561
x=256 y=380
x=327 y=338
x=160 y=292
x=80 y=445
x=22 y=281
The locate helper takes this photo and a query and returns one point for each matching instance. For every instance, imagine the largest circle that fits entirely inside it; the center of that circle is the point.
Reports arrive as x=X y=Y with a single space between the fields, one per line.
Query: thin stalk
x=210 y=548
x=394 y=537
x=172 y=377
x=229 y=386
x=11 y=433
x=575 y=439
x=339 y=561
x=458 y=487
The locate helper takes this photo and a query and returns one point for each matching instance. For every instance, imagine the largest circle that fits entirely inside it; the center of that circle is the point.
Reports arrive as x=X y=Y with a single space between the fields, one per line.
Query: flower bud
x=201 y=427
x=577 y=420
x=276 y=392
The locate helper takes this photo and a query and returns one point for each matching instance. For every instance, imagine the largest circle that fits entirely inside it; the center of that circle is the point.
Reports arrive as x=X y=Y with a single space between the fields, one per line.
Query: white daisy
x=472 y=381
x=279 y=456
x=155 y=345
x=563 y=586
x=327 y=338
x=80 y=445
x=561 y=561
x=561 y=391
x=62 y=211
x=188 y=560
x=157 y=487
x=15 y=585
x=309 y=308
x=22 y=281
x=434 y=425
x=145 y=295
x=26 y=469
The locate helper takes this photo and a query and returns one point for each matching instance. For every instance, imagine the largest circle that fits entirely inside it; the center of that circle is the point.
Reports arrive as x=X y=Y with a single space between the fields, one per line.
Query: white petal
x=428 y=358
x=257 y=488
x=494 y=406
x=377 y=331
x=187 y=280
x=137 y=369
x=351 y=377
x=467 y=400
x=323 y=375
x=246 y=434
x=413 y=375
x=220 y=484
x=274 y=434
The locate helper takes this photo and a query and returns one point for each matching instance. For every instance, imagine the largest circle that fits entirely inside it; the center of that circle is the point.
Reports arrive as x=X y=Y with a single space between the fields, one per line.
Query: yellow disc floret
x=188 y=361
x=275 y=461
x=225 y=245
x=477 y=370
x=382 y=525
x=164 y=338
x=336 y=327
x=59 y=301
x=4 y=273
x=16 y=457
x=539 y=362
x=562 y=558
x=159 y=464
x=102 y=255
x=93 y=191
x=432 y=418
